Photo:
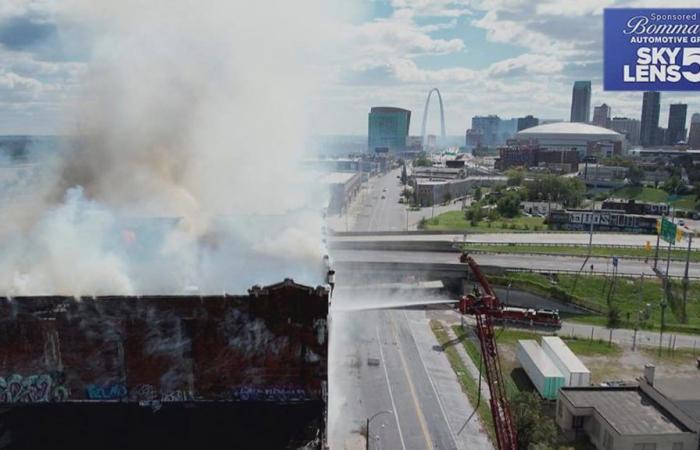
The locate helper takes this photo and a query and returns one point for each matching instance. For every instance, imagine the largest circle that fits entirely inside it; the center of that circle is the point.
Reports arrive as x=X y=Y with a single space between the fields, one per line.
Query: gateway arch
x=425 y=114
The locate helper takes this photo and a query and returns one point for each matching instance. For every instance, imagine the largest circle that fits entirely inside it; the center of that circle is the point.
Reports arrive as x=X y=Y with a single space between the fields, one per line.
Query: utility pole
x=658 y=239
x=661 y=328
x=685 y=276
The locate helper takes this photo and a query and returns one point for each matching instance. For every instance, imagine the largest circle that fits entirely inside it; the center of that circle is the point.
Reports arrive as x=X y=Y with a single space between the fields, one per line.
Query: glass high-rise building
x=388 y=129
x=527 y=122
x=651 y=106
x=675 y=132
x=694 y=135
x=581 y=102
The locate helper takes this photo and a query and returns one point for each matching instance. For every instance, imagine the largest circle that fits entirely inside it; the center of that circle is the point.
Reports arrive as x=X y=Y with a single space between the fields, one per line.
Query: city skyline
x=486 y=57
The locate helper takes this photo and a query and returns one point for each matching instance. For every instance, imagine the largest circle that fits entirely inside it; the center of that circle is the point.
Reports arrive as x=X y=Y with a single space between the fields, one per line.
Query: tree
x=474 y=214
x=422 y=161
x=477 y=194
x=515 y=177
x=613 y=317
x=509 y=204
x=535 y=430
x=404 y=176
x=568 y=191
x=674 y=186
x=635 y=175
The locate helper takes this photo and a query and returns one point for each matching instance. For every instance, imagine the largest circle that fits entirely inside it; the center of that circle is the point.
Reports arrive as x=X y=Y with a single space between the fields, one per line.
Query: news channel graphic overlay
x=651 y=49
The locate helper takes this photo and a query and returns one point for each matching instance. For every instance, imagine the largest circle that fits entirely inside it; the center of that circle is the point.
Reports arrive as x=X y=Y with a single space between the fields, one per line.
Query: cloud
x=434 y=8
x=399 y=35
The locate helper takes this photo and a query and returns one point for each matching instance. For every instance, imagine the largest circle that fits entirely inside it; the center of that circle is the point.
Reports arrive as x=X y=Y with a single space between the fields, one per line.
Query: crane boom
x=483 y=305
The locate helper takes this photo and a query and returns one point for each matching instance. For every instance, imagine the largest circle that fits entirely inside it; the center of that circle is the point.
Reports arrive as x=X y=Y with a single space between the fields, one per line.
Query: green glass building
x=388 y=129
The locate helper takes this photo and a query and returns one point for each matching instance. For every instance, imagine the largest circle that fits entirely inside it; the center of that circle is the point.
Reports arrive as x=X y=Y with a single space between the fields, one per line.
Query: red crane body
x=483 y=306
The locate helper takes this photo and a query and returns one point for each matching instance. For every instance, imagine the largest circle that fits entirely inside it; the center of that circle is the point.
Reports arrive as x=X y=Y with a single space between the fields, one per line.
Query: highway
x=631 y=267
x=388 y=360
x=638 y=240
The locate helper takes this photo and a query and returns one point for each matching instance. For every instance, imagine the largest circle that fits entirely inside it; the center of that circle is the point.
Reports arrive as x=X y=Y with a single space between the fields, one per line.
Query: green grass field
x=649 y=194
x=455 y=220
x=510 y=337
x=582 y=251
x=629 y=295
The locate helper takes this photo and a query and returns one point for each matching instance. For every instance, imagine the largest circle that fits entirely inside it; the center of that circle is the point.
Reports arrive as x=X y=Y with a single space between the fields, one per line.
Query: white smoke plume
x=183 y=171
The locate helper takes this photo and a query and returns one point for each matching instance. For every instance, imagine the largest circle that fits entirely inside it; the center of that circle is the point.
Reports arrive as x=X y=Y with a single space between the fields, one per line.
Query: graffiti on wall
x=31 y=389
x=114 y=391
x=149 y=393
x=269 y=394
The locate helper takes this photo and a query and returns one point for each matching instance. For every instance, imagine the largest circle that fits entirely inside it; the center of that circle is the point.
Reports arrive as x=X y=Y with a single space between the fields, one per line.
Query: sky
x=505 y=57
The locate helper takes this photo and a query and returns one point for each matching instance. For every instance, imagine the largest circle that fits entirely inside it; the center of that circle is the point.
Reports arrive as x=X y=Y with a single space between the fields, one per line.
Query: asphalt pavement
x=386 y=362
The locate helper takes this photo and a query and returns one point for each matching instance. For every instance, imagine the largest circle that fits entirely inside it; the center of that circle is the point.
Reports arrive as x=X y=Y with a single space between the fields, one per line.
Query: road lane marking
x=432 y=384
x=412 y=389
x=388 y=385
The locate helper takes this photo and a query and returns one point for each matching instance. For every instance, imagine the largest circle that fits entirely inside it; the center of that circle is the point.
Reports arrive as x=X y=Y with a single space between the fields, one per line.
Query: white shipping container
x=575 y=372
x=542 y=371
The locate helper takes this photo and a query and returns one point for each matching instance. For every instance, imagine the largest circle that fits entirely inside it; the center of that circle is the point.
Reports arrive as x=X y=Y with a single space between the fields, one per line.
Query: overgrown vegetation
x=637 y=300
x=565 y=190
x=458 y=221
x=637 y=252
x=468 y=384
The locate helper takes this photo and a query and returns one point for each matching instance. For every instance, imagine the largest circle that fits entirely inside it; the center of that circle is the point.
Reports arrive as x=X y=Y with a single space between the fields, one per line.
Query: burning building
x=165 y=371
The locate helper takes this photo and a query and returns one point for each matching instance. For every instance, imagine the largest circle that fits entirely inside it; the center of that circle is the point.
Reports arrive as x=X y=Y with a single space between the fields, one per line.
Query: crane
x=484 y=306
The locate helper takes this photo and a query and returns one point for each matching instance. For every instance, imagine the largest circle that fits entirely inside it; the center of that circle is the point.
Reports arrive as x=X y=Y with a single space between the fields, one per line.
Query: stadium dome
x=570 y=135
x=574 y=129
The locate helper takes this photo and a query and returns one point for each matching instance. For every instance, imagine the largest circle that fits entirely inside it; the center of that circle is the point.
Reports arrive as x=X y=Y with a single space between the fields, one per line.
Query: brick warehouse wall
x=271 y=345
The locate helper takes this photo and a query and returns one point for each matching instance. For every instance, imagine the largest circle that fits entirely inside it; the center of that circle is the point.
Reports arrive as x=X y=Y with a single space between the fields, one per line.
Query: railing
x=662 y=247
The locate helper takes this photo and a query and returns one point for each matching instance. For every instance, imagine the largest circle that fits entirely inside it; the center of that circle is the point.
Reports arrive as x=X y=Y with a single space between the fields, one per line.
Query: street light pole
x=369 y=420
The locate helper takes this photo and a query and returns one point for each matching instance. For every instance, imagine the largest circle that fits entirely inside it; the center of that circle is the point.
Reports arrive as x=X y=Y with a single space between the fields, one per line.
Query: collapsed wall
x=185 y=367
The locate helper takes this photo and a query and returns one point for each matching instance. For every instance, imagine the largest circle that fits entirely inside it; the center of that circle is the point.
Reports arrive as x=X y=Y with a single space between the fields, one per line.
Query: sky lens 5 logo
x=652 y=50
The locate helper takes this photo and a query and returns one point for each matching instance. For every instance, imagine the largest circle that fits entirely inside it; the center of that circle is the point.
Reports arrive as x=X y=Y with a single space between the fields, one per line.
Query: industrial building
x=177 y=372
x=583 y=138
x=343 y=187
x=430 y=192
x=600 y=176
x=529 y=154
x=653 y=415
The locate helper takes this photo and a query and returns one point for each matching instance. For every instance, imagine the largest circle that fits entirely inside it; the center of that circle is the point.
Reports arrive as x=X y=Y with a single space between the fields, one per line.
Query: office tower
x=694 y=135
x=489 y=129
x=388 y=129
x=651 y=106
x=626 y=127
x=675 y=132
x=581 y=102
x=601 y=116
x=527 y=122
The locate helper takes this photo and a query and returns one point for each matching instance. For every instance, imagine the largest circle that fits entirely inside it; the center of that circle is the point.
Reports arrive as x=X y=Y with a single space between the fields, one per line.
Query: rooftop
x=684 y=392
x=337 y=177
x=627 y=410
x=540 y=358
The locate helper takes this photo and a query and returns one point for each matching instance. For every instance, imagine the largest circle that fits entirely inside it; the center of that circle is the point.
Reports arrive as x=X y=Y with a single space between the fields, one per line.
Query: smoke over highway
x=182 y=172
